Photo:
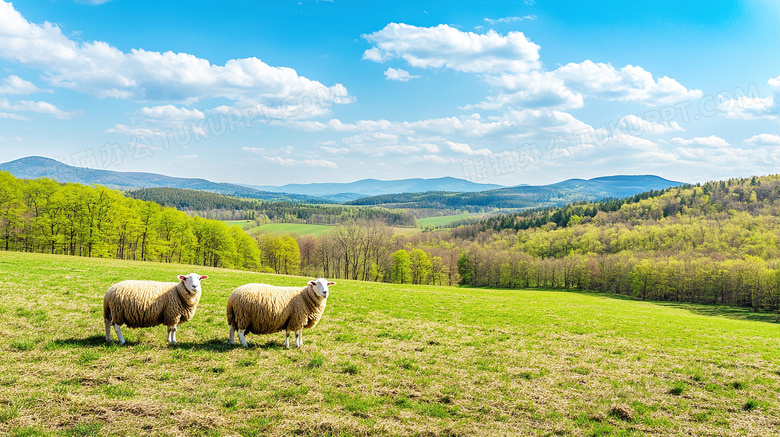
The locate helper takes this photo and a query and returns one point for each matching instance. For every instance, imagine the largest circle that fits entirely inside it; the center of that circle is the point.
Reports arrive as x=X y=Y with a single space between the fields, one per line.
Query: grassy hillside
x=385 y=360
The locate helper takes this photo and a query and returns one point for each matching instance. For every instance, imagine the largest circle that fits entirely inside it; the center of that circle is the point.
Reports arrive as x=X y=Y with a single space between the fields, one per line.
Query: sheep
x=265 y=309
x=141 y=304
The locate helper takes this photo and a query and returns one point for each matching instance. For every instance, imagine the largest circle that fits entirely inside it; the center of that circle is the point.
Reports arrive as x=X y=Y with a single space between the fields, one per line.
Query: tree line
x=717 y=243
x=45 y=216
x=514 y=198
x=221 y=207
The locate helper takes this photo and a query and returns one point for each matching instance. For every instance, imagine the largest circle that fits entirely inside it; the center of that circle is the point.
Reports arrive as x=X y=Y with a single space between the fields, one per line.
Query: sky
x=500 y=92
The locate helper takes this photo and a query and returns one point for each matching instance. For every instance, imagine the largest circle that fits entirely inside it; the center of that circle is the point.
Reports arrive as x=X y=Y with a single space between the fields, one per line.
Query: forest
x=42 y=215
x=220 y=207
x=502 y=199
x=711 y=243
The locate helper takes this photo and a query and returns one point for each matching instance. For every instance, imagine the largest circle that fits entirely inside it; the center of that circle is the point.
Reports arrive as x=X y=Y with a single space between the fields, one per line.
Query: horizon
x=507 y=93
x=369 y=179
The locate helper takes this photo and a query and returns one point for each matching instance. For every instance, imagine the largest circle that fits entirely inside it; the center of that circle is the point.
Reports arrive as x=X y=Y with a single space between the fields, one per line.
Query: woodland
x=713 y=243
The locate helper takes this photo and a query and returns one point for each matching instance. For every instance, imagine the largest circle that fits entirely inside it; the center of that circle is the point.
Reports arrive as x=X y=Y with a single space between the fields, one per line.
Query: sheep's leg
x=232 y=339
x=118 y=330
x=286 y=339
x=299 y=338
x=241 y=337
x=108 y=329
x=172 y=334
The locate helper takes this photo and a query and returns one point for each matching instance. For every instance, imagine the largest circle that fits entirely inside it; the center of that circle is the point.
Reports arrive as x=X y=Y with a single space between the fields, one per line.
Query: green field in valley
x=385 y=360
x=292 y=228
x=240 y=223
x=443 y=220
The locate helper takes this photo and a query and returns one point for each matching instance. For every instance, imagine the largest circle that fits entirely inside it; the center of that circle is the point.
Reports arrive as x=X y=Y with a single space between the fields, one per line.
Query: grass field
x=384 y=360
x=240 y=223
x=443 y=220
x=290 y=228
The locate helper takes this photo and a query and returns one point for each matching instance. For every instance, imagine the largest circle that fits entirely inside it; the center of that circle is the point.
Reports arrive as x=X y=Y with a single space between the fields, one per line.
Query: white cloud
x=398 y=74
x=535 y=89
x=335 y=150
x=751 y=108
x=466 y=149
x=382 y=143
x=15 y=85
x=373 y=138
x=630 y=83
x=511 y=126
x=102 y=70
x=763 y=140
x=435 y=158
x=132 y=131
x=566 y=86
x=263 y=151
x=301 y=163
x=9 y=116
x=38 y=107
x=171 y=113
x=503 y=20
x=774 y=82
x=446 y=47
x=506 y=20
x=710 y=141
x=636 y=125
x=510 y=63
x=187 y=157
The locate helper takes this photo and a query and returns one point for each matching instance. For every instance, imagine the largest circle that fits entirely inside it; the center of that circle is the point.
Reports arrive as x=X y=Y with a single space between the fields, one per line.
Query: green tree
x=400 y=270
x=420 y=266
x=465 y=269
x=290 y=256
x=11 y=208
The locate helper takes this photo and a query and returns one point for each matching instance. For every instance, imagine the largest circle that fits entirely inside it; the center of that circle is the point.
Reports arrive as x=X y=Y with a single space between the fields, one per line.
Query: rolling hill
x=373 y=187
x=33 y=167
x=526 y=196
x=447 y=193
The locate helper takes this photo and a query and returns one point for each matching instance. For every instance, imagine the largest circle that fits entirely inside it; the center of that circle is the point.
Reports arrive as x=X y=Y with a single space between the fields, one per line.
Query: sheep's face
x=320 y=286
x=192 y=282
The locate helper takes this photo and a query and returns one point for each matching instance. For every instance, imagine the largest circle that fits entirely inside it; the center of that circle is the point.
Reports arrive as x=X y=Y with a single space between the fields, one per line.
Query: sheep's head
x=192 y=282
x=320 y=286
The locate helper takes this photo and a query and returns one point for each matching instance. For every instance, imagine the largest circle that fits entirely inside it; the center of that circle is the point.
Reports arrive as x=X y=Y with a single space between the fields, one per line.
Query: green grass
x=384 y=360
x=290 y=228
x=443 y=220
x=240 y=223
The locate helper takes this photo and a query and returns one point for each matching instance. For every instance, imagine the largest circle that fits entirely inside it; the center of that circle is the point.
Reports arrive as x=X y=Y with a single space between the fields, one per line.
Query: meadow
x=385 y=360
x=291 y=228
x=317 y=230
x=444 y=220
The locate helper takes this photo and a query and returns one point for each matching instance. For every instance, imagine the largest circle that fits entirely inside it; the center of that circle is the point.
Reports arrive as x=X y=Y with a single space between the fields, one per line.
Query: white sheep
x=141 y=304
x=265 y=309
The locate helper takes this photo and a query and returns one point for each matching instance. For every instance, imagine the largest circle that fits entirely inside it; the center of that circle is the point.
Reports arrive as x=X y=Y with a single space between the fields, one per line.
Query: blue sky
x=505 y=92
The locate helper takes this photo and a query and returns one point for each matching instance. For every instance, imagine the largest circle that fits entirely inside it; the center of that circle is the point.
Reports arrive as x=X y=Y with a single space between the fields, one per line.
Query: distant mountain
x=34 y=167
x=526 y=196
x=444 y=192
x=343 y=192
x=617 y=186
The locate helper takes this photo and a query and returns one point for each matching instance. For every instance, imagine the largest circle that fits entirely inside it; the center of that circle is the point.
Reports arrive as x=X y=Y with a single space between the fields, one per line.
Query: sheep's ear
x=312 y=283
x=204 y=277
x=331 y=283
x=181 y=277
